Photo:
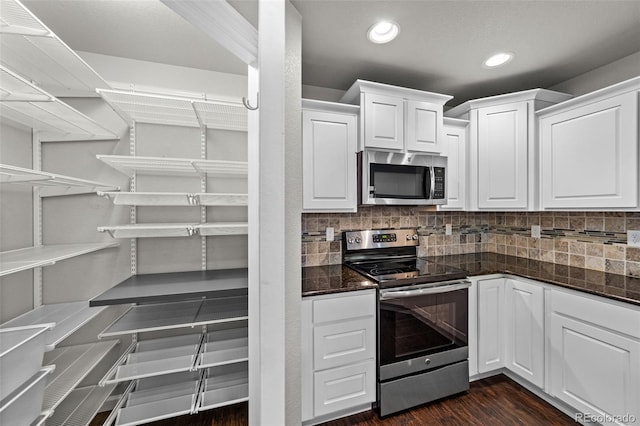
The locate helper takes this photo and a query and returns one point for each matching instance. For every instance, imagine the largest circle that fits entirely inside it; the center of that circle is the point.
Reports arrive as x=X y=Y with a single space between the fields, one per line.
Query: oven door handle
x=399 y=294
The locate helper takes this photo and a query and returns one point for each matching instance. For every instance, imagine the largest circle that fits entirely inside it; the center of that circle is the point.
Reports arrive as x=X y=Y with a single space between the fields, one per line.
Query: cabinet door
x=424 y=127
x=490 y=324
x=524 y=317
x=344 y=387
x=329 y=162
x=342 y=343
x=593 y=369
x=455 y=147
x=473 y=327
x=503 y=156
x=590 y=155
x=383 y=122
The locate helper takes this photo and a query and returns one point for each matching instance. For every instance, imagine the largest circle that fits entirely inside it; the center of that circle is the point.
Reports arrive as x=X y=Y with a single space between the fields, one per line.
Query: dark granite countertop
x=612 y=286
x=332 y=279
x=337 y=278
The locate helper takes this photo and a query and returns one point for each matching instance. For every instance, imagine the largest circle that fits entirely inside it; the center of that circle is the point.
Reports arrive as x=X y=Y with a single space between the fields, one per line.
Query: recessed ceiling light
x=383 y=32
x=498 y=59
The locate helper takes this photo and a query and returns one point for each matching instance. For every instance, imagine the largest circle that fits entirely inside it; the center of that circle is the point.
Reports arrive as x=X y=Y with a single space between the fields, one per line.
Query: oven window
x=415 y=326
x=399 y=181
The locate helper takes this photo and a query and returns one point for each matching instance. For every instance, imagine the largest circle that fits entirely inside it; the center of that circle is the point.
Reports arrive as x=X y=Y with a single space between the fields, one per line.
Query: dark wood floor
x=494 y=401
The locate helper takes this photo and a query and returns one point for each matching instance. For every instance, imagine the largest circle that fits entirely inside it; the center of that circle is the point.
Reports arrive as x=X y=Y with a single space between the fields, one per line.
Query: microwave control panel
x=438 y=190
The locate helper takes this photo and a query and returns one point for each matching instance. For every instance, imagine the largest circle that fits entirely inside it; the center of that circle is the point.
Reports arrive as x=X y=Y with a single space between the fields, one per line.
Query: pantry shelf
x=13 y=261
x=224 y=386
x=165 y=316
x=81 y=406
x=21 y=351
x=175 y=286
x=22 y=407
x=225 y=347
x=32 y=50
x=160 y=398
x=66 y=317
x=26 y=104
x=73 y=363
x=176 y=110
x=19 y=175
x=155 y=230
x=157 y=357
x=176 y=199
x=175 y=166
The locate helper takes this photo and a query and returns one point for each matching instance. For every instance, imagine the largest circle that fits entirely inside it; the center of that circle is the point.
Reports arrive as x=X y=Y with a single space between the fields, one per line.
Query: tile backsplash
x=591 y=240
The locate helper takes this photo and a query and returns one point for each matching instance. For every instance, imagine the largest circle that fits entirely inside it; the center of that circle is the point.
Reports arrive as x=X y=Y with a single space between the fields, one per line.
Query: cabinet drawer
x=597 y=311
x=343 y=343
x=344 y=307
x=344 y=387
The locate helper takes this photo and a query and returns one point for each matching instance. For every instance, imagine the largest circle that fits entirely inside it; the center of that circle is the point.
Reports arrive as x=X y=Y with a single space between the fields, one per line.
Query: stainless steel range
x=422 y=318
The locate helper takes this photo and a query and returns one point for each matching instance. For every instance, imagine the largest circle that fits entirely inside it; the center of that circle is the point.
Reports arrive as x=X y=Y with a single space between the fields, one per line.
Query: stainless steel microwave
x=401 y=179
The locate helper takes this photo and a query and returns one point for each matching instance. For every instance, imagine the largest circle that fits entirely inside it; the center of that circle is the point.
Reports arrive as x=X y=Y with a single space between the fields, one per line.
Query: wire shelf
x=35 y=52
x=31 y=106
x=73 y=363
x=65 y=317
x=175 y=166
x=175 y=110
x=33 y=257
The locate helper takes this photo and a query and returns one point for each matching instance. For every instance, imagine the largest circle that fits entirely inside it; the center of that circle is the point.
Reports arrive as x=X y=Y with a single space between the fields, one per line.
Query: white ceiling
x=440 y=48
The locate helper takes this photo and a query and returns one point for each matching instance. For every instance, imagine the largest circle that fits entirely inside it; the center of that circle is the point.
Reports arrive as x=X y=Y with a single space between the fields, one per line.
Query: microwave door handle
x=427 y=184
x=432 y=178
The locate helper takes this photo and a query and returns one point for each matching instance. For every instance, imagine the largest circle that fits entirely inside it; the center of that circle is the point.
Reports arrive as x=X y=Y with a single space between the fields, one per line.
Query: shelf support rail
x=118 y=363
x=37 y=219
x=114 y=412
x=203 y=189
x=133 y=244
x=200 y=392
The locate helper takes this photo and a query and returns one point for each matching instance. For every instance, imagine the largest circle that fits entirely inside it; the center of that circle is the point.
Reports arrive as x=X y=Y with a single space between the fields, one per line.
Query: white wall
x=321 y=93
x=16 y=290
x=149 y=74
x=615 y=72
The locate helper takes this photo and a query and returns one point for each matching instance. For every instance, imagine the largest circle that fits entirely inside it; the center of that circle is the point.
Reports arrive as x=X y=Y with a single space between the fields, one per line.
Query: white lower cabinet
x=338 y=354
x=581 y=350
x=524 y=320
x=490 y=324
x=594 y=357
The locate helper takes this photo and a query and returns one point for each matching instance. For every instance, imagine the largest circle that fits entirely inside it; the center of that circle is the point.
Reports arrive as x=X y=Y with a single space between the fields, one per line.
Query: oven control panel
x=380 y=238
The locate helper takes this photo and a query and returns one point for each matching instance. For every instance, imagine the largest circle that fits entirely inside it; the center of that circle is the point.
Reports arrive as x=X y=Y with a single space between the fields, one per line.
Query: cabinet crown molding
x=313 y=104
x=458 y=122
x=352 y=96
x=522 y=96
x=630 y=85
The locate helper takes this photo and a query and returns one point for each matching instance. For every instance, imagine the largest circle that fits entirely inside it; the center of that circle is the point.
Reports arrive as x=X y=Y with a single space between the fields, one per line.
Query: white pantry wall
x=16 y=208
x=143 y=73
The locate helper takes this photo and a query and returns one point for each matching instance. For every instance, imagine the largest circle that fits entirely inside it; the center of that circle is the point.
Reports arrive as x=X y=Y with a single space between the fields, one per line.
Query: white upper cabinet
x=502 y=156
x=589 y=150
x=329 y=143
x=383 y=121
x=424 y=126
x=398 y=119
x=455 y=148
x=503 y=148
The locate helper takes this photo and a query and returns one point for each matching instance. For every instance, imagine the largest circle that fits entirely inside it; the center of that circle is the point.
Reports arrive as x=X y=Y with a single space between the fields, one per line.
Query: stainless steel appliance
x=399 y=178
x=422 y=318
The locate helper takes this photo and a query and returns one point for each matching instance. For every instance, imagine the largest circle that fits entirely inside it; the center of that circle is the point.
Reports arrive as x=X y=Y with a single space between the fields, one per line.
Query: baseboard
x=338 y=415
